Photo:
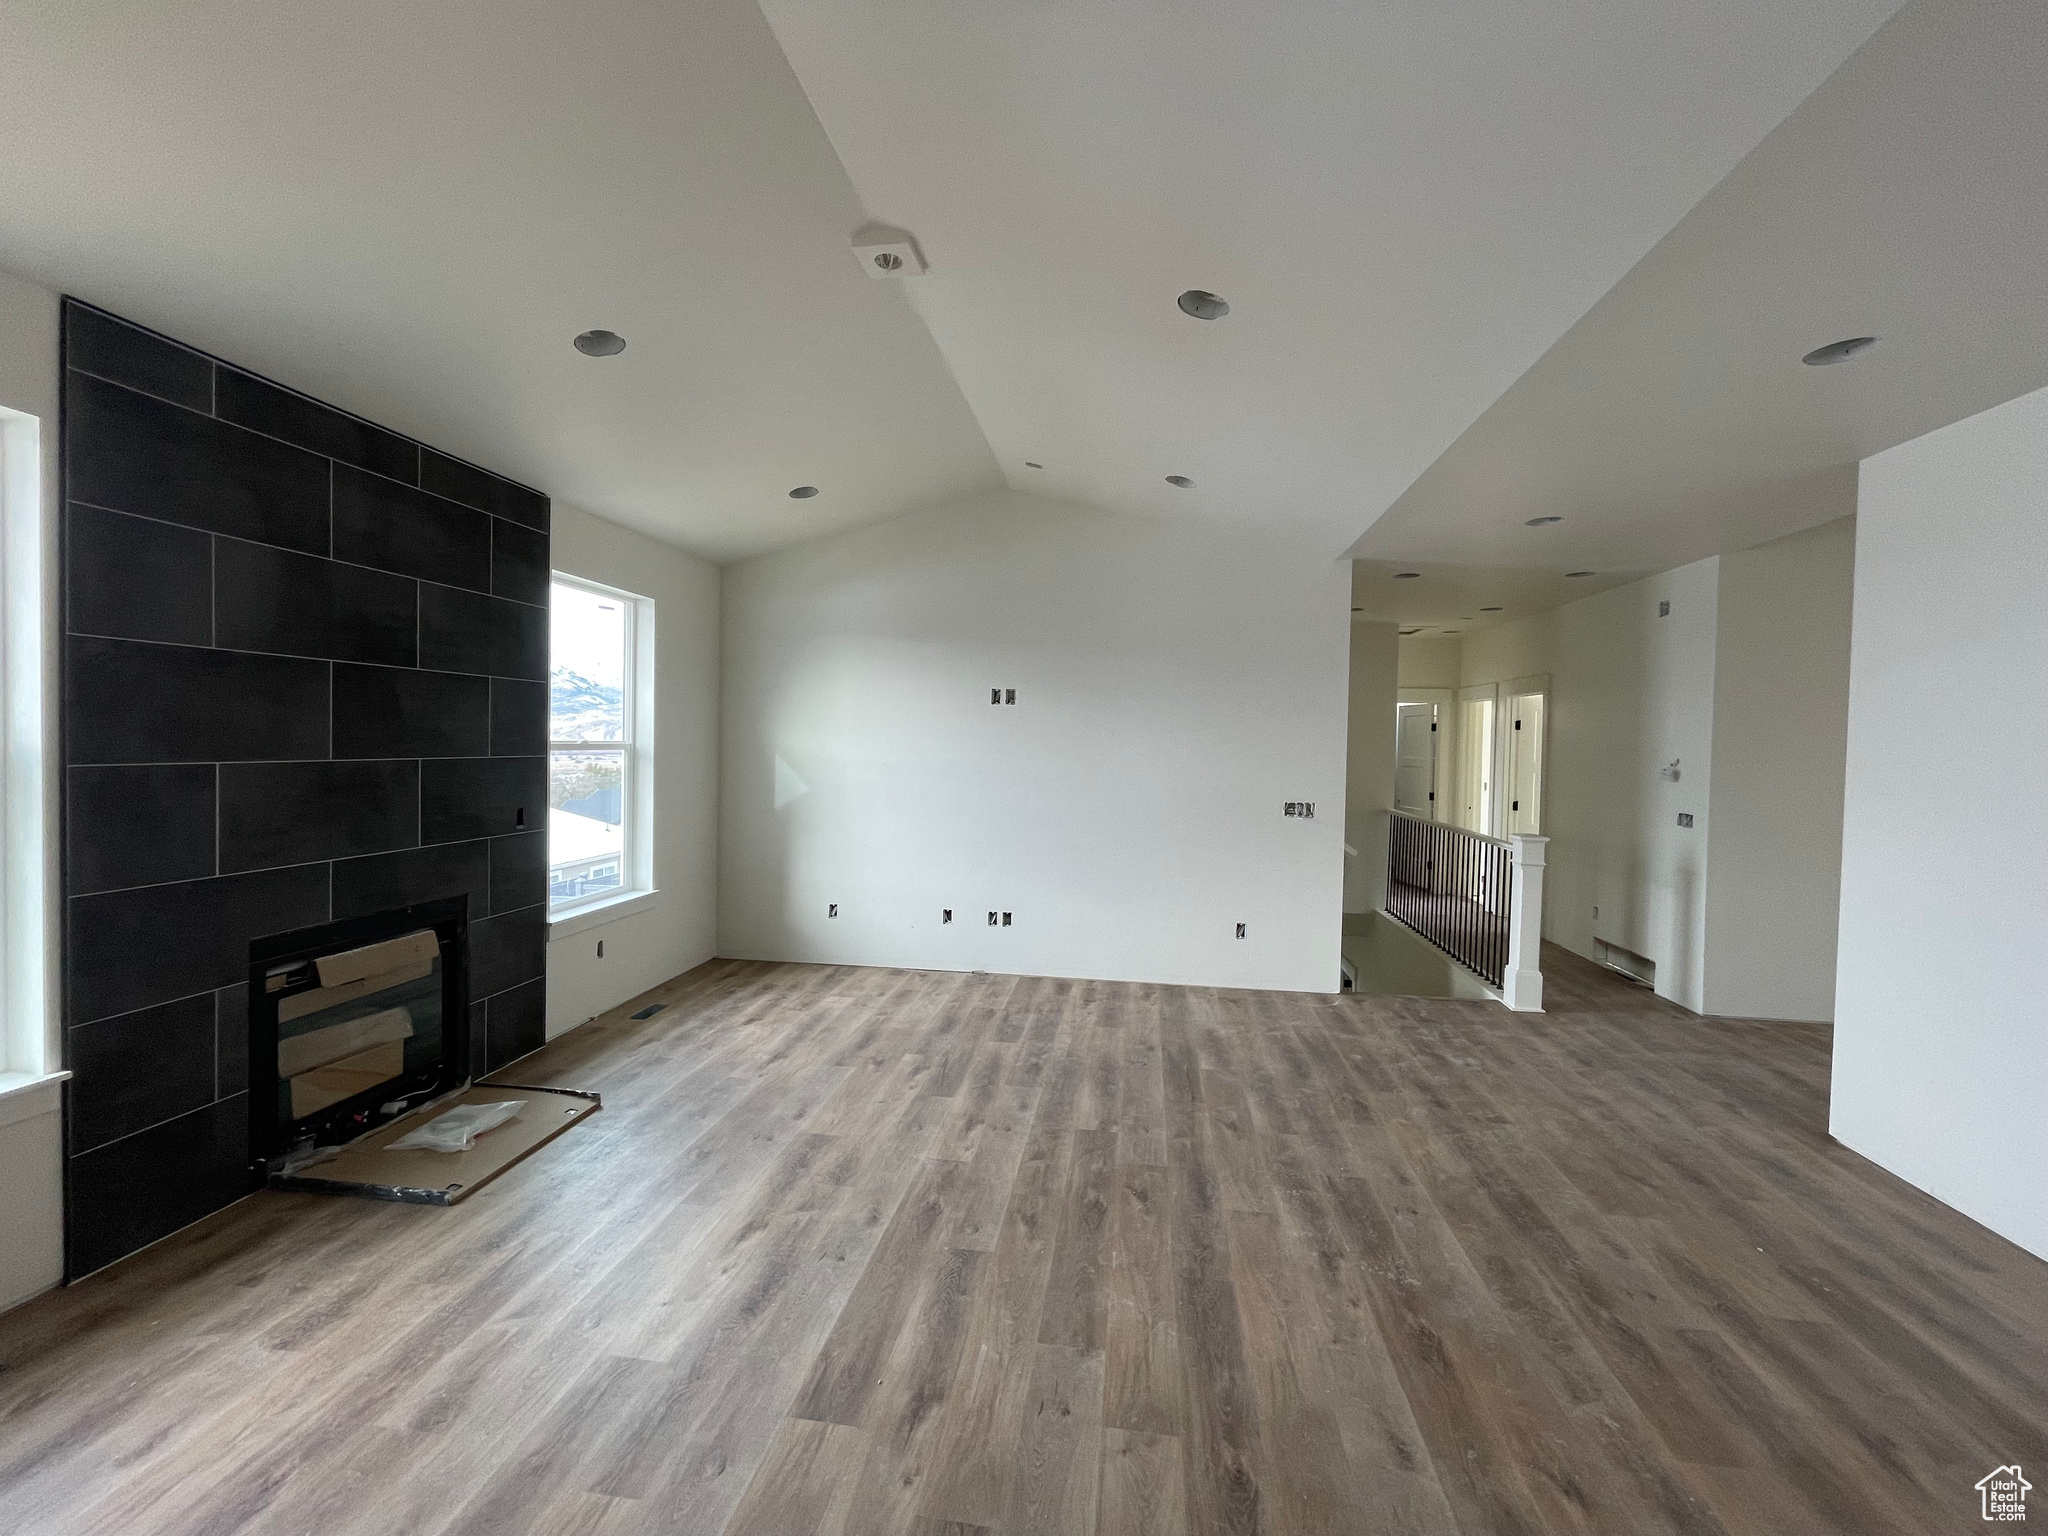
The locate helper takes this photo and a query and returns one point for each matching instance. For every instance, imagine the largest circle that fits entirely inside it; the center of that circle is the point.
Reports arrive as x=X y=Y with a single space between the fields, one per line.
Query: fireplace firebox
x=352 y=1024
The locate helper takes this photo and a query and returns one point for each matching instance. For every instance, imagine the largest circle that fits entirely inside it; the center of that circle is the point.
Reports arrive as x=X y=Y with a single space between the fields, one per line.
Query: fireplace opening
x=352 y=1024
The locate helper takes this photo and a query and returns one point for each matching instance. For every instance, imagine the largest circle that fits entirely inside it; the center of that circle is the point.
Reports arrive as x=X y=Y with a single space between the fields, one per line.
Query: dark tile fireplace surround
x=304 y=679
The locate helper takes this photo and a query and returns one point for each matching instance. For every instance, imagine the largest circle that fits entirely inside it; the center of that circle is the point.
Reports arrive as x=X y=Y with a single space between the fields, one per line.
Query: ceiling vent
x=885 y=252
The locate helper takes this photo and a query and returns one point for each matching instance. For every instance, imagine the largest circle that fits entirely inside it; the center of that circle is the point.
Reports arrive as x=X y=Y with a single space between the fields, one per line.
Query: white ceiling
x=1445 y=599
x=1907 y=198
x=1405 y=203
x=409 y=207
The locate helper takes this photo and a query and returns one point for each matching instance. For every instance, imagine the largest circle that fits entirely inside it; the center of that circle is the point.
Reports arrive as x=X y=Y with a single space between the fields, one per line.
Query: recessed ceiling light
x=1406 y=575
x=1029 y=464
x=1182 y=481
x=1489 y=610
x=600 y=343
x=1542 y=522
x=804 y=492
x=1575 y=575
x=1839 y=351
x=1203 y=305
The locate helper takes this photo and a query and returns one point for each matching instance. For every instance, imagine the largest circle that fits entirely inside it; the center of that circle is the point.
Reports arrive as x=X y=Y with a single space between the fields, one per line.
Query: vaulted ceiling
x=1404 y=203
x=410 y=208
x=1907 y=198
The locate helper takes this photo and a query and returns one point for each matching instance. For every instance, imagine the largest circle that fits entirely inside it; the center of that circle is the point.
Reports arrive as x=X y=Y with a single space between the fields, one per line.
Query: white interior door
x=1475 y=764
x=1415 y=737
x=1526 y=724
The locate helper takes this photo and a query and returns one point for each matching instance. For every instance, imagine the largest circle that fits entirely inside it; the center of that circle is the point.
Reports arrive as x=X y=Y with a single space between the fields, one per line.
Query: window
x=597 y=775
x=28 y=1047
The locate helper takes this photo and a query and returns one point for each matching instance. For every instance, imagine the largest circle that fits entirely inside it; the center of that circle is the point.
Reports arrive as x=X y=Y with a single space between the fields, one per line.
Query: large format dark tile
x=482 y=797
x=263 y=407
x=129 y=1193
x=295 y=813
x=131 y=949
x=231 y=1040
x=136 y=454
x=126 y=702
x=474 y=487
x=479 y=1038
x=376 y=884
x=114 y=350
x=396 y=528
x=138 y=826
x=519 y=871
x=138 y=579
x=137 y=1069
x=517 y=1023
x=399 y=712
x=297 y=605
x=519 y=562
x=519 y=717
x=506 y=950
x=469 y=632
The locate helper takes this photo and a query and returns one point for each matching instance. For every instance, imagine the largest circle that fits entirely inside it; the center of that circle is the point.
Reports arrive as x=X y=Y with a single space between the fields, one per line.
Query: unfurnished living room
x=999 y=766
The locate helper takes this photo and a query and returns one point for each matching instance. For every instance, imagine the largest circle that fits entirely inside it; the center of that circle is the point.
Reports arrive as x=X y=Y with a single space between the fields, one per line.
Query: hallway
x=861 y=1250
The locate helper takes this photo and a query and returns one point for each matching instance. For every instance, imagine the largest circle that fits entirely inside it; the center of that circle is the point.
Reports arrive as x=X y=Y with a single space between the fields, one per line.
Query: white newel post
x=1521 y=984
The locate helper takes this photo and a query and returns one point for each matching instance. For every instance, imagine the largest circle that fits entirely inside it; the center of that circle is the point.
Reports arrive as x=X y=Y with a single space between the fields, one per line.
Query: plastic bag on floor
x=458 y=1129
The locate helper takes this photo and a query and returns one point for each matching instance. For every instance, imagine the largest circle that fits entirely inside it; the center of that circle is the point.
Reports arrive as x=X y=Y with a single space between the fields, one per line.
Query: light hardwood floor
x=880 y=1251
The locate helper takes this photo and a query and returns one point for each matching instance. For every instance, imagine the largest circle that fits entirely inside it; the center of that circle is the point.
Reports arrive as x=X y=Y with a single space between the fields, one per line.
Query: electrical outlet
x=995 y=695
x=832 y=910
x=946 y=916
x=1664 y=608
x=1240 y=930
x=1685 y=818
x=1305 y=809
x=1006 y=919
x=991 y=919
x=1009 y=695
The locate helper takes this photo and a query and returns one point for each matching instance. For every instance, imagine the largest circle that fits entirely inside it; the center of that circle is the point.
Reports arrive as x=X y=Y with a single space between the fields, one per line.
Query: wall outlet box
x=1685 y=818
x=1306 y=809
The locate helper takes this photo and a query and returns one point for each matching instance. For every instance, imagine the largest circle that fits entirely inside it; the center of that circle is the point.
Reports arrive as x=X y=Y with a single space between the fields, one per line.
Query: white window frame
x=636 y=887
x=28 y=1046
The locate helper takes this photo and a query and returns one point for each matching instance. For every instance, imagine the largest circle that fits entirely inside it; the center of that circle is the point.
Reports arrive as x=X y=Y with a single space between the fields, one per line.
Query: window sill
x=25 y=1095
x=597 y=913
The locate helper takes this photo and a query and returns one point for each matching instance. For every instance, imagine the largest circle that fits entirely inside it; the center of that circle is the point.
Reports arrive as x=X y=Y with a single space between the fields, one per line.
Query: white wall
x=31 y=1211
x=678 y=929
x=1174 y=688
x=1941 y=1032
x=1781 y=716
x=1369 y=762
x=1429 y=661
x=1630 y=691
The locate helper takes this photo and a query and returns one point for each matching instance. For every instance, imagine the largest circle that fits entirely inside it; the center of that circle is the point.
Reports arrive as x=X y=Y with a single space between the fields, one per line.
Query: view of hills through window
x=589 y=665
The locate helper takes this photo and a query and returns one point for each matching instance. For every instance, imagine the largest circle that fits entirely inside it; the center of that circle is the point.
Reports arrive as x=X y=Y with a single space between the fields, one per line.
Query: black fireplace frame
x=270 y=1138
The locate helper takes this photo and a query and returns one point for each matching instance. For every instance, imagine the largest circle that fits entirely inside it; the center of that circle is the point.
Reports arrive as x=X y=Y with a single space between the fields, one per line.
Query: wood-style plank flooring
x=880 y=1251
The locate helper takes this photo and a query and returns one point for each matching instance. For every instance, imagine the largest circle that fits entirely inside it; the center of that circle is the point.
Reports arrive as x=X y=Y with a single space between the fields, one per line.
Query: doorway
x=1526 y=734
x=1415 y=739
x=1473 y=806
